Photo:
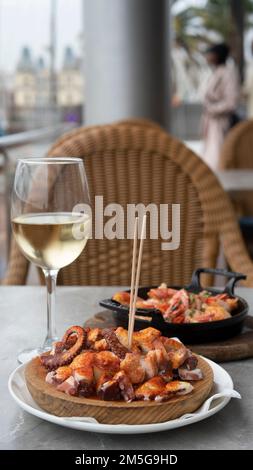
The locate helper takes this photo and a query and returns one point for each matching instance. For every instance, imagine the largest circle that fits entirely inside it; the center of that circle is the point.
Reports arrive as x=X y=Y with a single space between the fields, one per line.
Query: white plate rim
x=123 y=428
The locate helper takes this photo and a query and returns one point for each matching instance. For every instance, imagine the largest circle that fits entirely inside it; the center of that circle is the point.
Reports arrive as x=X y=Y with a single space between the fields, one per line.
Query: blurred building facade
x=32 y=81
x=70 y=81
x=25 y=81
x=31 y=97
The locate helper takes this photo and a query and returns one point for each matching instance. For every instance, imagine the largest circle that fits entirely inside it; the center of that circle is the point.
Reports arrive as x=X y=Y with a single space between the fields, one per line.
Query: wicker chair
x=237 y=153
x=131 y=164
x=140 y=122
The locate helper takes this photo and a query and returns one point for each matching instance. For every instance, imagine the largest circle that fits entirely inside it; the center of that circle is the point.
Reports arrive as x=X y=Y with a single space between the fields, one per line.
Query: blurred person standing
x=220 y=101
x=248 y=86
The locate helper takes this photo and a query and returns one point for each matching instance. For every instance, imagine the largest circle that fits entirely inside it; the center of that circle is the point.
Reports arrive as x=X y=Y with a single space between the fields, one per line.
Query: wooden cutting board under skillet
x=115 y=412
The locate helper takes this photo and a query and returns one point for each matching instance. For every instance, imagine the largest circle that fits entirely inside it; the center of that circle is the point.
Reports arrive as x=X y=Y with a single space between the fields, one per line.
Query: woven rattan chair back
x=237 y=153
x=131 y=164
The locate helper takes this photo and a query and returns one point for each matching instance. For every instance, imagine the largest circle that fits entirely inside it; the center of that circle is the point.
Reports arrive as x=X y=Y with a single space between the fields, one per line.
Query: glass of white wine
x=51 y=221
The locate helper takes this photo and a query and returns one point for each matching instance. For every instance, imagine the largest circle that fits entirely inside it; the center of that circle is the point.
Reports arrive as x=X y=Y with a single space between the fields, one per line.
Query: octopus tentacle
x=114 y=344
x=63 y=354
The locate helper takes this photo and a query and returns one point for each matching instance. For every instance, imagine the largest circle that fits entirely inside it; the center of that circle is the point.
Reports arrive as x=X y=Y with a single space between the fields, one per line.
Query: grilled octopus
x=64 y=351
x=94 y=362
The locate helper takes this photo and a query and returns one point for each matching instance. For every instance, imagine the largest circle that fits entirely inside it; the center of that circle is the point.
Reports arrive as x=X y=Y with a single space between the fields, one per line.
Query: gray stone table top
x=22 y=317
x=234 y=180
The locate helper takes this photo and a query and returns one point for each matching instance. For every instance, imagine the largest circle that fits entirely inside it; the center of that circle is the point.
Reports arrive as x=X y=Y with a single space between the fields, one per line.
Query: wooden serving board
x=238 y=347
x=115 y=412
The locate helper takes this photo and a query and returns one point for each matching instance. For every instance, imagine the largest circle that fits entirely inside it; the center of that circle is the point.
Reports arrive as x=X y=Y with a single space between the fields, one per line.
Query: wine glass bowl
x=51 y=221
x=48 y=239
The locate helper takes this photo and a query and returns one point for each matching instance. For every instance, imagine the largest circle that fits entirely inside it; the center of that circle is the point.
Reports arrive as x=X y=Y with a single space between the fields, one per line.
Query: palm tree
x=227 y=18
x=183 y=28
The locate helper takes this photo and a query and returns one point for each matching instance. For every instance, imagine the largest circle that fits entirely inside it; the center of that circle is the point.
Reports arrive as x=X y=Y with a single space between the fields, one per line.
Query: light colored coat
x=248 y=89
x=220 y=101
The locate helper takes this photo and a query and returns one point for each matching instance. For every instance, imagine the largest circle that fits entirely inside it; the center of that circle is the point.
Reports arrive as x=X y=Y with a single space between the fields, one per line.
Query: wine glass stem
x=50 y=277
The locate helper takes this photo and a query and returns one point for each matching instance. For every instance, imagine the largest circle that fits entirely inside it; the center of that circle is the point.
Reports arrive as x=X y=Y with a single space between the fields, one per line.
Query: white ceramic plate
x=223 y=386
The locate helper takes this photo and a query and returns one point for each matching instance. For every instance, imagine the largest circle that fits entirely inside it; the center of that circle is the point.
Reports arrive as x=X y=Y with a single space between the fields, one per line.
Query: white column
x=126 y=60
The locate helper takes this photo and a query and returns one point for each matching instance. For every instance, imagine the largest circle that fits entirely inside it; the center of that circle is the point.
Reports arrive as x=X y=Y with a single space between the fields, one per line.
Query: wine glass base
x=27 y=354
x=48 y=343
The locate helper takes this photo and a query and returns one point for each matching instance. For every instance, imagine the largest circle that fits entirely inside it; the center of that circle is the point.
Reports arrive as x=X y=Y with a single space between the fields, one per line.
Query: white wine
x=52 y=240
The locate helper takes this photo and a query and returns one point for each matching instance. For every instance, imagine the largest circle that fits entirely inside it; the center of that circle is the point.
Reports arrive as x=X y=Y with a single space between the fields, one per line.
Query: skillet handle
x=233 y=278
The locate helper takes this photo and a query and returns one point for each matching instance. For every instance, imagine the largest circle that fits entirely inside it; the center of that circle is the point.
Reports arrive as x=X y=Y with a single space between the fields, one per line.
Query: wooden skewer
x=136 y=285
x=132 y=278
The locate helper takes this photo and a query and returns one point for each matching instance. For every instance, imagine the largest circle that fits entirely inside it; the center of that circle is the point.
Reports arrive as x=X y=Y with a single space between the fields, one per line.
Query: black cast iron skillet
x=188 y=332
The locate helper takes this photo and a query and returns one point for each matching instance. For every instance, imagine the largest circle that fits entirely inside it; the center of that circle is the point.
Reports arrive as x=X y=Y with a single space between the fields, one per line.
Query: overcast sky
x=181 y=4
x=26 y=22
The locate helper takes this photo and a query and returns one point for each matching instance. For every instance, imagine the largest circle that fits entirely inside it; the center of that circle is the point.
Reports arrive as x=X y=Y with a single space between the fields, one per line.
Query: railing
x=28 y=137
x=13 y=141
